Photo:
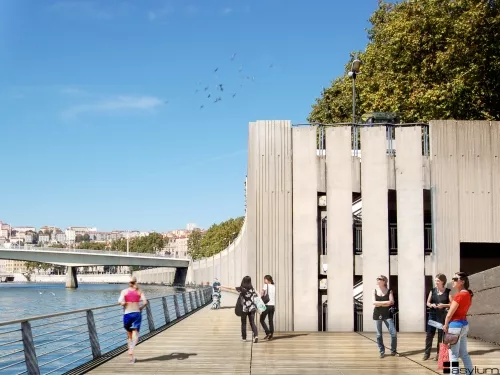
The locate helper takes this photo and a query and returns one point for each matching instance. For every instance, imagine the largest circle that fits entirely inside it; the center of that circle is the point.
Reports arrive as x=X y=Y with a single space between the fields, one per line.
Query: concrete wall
x=339 y=236
x=305 y=227
x=410 y=219
x=484 y=314
x=269 y=212
x=375 y=215
x=465 y=182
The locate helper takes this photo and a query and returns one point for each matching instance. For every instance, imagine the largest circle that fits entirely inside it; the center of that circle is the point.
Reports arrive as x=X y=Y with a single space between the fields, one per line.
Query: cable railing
x=65 y=342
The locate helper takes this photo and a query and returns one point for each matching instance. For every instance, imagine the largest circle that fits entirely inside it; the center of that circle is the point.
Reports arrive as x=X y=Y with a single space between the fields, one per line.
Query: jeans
x=251 y=318
x=460 y=350
x=431 y=331
x=269 y=312
x=389 y=323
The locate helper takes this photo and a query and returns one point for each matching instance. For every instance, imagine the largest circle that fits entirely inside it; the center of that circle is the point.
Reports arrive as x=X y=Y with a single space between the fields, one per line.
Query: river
x=25 y=300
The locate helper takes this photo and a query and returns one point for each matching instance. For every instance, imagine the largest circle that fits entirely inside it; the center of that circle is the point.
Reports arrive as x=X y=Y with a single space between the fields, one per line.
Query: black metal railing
x=58 y=343
x=393 y=239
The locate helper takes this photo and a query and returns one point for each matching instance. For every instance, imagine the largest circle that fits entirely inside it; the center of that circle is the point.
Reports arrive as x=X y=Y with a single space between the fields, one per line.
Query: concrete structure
x=73 y=258
x=418 y=205
x=484 y=314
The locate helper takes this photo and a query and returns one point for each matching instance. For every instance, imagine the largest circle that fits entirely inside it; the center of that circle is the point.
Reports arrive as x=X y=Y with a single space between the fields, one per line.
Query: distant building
x=191 y=226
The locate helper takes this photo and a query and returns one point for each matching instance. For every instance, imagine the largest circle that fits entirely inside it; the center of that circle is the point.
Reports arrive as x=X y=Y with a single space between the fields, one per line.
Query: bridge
x=73 y=258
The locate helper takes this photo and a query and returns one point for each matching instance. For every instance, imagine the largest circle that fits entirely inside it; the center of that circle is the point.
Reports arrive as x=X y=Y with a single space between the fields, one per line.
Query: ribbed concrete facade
x=280 y=234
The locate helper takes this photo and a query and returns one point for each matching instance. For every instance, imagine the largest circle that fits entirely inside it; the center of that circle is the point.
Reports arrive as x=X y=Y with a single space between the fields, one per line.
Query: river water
x=26 y=300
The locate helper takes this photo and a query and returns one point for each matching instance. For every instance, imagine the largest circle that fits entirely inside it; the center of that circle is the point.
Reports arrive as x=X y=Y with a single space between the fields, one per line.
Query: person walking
x=438 y=301
x=248 y=306
x=456 y=322
x=132 y=317
x=383 y=299
x=269 y=297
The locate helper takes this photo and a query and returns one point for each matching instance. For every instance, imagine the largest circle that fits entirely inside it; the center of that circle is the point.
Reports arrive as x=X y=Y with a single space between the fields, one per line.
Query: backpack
x=238 y=309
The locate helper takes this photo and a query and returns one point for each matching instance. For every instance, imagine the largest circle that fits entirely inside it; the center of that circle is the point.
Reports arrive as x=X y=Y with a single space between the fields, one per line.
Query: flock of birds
x=207 y=95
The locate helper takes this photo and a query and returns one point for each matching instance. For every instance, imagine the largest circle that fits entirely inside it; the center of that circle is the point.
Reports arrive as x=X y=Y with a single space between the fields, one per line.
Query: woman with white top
x=269 y=297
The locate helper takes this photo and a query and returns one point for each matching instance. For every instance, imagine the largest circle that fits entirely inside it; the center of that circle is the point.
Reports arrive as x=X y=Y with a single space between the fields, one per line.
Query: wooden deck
x=208 y=342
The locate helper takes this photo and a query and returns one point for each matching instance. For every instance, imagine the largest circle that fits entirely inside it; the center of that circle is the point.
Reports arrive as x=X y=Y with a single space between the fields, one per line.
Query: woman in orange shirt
x=456 y=321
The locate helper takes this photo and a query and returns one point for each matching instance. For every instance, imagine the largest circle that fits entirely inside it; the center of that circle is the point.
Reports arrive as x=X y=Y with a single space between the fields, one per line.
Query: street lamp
x=356 y=64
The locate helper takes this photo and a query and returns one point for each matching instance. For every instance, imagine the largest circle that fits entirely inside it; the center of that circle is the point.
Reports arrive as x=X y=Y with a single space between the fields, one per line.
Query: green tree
x=426 y=59
x=92 y=245
x=194 y=244
x=86 y=237
x=217 y=238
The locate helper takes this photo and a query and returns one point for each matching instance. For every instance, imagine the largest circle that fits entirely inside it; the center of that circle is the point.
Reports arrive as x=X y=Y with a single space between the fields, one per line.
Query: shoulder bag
x=265 y=297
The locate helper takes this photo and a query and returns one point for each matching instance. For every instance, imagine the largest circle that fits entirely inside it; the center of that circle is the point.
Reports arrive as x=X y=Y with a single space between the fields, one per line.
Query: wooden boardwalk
x=208 y=342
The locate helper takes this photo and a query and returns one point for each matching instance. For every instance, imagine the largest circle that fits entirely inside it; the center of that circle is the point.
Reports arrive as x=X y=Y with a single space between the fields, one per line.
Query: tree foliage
x=215 y=239
x=425 y=59
x=146 y=244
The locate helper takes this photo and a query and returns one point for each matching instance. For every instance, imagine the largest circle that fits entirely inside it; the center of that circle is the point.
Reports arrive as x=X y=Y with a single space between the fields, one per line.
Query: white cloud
x=115 y=104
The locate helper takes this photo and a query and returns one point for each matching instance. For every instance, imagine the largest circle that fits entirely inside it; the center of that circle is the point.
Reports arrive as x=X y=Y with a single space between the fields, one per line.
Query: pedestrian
x=383 y=299
x=438 y=301
x=269 y=297
x=248 y=308
x=132 y=316
x=456 y=323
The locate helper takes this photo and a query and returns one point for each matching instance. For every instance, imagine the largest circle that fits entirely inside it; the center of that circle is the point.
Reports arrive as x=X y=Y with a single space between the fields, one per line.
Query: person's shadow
x=169 y=357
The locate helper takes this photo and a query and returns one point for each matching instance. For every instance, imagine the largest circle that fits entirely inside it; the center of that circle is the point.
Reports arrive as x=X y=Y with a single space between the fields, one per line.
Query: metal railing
x=356 y=137
x=63 y=342
x=89 y=251
x=393 y=239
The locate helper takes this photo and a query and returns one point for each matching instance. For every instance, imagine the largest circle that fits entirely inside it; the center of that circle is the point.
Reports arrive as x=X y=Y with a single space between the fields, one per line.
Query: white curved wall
x=229 y=266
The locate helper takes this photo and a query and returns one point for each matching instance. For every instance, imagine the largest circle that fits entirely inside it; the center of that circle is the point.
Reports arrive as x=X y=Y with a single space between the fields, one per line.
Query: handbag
x=444 y=355
x=450 y=338
x=265 y=297
x=238 y=309
x=261 y=306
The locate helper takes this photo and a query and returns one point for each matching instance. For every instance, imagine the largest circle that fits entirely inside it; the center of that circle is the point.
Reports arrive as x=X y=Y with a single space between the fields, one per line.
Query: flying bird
x=217 y=100
x=201 y=106
x=220 y=87
x=209 y=96
x=215 y=71
x=234 y=95
x=232 y=57
x=240 y=69
x=206 y=88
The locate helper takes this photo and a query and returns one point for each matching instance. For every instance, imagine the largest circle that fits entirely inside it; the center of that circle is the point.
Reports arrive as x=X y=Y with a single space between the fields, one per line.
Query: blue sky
x=100 y=121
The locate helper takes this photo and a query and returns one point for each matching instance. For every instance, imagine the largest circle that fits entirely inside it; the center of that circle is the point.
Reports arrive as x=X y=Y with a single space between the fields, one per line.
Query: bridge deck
x=209 y=343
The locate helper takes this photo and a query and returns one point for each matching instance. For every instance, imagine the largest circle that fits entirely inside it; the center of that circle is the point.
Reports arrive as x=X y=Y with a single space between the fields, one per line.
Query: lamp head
x=356 y=64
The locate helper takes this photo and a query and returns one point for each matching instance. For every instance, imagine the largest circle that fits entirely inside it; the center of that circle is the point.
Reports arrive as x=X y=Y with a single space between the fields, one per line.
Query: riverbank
x=94 y=279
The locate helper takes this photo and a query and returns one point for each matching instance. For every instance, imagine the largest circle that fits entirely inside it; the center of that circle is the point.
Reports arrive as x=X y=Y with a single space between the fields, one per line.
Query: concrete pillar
x=180 y=276
x=339 y=234
x=374 y=195
x=305 y=229
x=71 y=278
x=410 y=209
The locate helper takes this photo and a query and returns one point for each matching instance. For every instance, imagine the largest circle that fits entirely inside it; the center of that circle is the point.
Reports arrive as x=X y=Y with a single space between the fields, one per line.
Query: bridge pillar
x=71 y=279
x=180 y=276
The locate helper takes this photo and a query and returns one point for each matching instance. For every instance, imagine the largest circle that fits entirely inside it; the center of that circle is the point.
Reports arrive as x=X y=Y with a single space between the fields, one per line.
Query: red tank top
x=132 y=296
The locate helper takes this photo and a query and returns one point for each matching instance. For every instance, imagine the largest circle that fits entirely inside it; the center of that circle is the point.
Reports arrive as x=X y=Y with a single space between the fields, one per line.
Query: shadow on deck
x=209 y=342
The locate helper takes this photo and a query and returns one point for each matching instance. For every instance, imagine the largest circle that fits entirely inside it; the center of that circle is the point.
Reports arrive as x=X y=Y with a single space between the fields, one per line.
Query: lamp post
x=356 y=64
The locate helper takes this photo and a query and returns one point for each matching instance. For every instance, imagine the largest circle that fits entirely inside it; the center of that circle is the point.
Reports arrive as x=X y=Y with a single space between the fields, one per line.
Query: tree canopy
x=146 y=244
x=425 y=59
x=215 y=239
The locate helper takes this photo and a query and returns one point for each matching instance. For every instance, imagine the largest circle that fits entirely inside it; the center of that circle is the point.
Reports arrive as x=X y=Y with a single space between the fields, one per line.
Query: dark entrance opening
x=479 y=256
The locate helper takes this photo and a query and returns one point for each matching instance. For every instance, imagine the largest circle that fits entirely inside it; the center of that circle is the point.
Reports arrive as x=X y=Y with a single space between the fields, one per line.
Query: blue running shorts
x=132 y=321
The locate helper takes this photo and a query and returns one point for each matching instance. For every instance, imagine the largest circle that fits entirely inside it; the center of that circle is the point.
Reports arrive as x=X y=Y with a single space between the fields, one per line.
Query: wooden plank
x=208 y=342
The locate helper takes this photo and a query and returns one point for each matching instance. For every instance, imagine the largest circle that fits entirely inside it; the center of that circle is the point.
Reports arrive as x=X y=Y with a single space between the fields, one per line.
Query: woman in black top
x=438 y=301
x=247 y=299
x=383 y=299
